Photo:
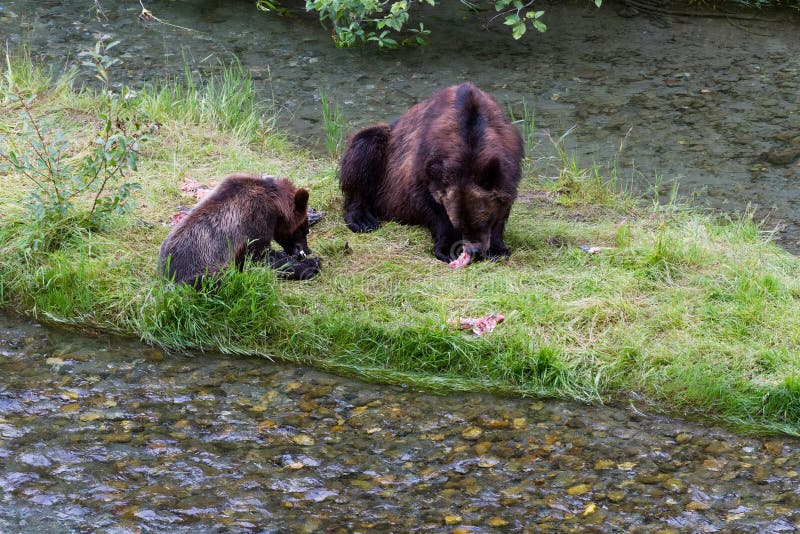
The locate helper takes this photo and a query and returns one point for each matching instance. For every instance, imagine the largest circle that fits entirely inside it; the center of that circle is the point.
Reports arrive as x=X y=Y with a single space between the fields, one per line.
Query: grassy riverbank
x=679 y=311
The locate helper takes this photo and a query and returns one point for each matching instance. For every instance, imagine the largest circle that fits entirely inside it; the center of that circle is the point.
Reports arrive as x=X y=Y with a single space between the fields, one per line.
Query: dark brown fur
x=240 y=217
x=451 y=163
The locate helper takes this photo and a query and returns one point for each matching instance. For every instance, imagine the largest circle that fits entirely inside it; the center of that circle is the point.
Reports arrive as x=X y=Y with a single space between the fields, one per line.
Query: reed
x=333 y=123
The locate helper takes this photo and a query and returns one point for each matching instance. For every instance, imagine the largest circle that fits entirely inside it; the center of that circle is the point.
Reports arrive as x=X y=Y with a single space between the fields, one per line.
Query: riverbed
x=110 y=435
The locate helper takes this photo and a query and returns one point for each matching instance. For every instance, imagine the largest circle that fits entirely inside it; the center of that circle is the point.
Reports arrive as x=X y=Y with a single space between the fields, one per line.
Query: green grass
x=333 y=124
x=225 y=100
x=21 y=75
x=695 y=313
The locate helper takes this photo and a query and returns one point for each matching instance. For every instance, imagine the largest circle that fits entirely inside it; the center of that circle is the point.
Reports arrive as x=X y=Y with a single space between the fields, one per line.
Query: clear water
x=109 y=435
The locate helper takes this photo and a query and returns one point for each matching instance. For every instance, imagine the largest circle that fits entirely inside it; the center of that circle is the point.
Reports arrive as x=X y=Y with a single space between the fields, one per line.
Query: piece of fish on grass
x=593 y=250
x=481 y=325
x=195 y=189
x=178 y=216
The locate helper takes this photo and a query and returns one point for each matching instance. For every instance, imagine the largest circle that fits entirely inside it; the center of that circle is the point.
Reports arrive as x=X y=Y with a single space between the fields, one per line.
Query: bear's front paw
x=443 y=254
x=362 y=222
x=498 y=254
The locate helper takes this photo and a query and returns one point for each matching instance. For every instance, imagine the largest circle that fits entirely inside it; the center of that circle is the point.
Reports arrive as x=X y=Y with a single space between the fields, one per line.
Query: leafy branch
x=355 y=22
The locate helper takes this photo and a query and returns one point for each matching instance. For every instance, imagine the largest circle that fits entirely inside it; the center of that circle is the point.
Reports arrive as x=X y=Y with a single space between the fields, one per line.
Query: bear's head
x=475 y=206
x=291 y=232
x=473 y=212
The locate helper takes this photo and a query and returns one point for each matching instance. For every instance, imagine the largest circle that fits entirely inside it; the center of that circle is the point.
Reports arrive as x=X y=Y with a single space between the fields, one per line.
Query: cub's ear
x=301 y=200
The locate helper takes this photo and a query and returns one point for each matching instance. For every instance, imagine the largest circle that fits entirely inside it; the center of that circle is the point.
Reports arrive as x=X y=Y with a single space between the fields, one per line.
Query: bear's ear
x=501 y=197
x=301 y=200
x=490 y=177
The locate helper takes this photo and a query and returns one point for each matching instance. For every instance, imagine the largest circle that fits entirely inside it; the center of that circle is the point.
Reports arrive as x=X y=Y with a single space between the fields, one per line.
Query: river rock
x=781 y=155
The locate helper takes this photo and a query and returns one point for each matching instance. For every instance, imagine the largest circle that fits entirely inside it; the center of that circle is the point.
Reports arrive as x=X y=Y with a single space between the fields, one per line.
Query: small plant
x=86 y=186
x=526 y=123
x=668 y=201
x=333 y=123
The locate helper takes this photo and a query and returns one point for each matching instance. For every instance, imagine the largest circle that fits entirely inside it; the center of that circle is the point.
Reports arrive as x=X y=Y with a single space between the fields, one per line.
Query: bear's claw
x=363 y=224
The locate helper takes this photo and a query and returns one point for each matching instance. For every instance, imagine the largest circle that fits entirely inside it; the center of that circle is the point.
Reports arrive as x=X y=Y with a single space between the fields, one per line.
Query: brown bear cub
x=451 y=163
x=240 y=218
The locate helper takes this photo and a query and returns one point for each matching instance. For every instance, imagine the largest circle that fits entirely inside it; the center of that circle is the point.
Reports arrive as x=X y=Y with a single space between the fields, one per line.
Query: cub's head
x=291 y=230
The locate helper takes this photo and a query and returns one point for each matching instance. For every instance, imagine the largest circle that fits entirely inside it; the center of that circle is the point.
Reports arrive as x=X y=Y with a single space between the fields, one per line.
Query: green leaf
x=398 y=7
x=518 y=30
x=266 y=5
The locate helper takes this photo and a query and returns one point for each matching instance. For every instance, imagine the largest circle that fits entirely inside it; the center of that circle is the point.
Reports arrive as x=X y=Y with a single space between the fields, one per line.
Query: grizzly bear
x=240 y=218
x=451 y=163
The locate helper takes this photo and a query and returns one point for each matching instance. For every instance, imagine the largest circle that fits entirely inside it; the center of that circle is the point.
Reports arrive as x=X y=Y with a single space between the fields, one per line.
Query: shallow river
x=711 y=102
x=114 y=436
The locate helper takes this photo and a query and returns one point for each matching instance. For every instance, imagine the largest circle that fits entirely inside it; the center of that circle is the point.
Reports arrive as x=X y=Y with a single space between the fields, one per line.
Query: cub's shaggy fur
x=241 y=217
x=451 y=163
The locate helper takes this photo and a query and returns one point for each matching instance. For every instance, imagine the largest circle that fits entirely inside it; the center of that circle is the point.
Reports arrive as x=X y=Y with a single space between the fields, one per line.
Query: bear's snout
x=478 y=246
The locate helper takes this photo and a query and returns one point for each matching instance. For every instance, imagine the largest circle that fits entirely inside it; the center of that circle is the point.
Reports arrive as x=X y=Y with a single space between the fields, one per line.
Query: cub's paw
x=291 y=267
x=279 y=260
x=307 y=268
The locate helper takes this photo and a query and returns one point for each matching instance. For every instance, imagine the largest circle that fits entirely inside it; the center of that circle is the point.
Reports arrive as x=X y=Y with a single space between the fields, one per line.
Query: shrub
x=84 y=186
